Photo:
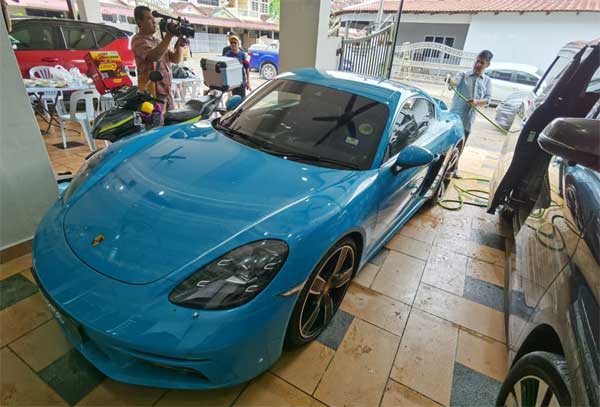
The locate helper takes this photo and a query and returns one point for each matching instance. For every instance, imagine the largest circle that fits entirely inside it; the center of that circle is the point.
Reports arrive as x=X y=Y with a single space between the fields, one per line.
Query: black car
x=548 y=185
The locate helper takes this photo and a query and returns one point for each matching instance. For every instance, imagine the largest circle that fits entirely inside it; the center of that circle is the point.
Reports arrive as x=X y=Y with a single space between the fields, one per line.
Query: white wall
x=303 y=40
x=27 y=184
x=89 y=10
x=531 y=38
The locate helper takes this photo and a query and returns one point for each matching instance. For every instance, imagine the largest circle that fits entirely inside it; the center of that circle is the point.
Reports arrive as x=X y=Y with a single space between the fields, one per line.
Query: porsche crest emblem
x=97 y=240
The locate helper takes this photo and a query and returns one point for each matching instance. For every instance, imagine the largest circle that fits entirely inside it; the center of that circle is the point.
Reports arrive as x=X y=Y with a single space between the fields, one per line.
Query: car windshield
x=309 y=123
x=553 y=74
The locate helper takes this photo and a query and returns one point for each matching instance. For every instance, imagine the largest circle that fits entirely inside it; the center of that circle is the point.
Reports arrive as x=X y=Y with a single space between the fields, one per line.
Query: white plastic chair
x=83 y=118
x=44 y=72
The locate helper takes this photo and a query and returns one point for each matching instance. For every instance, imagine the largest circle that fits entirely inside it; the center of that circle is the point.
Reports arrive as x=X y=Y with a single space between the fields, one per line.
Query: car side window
x=503 y=75
x=525 y=78
x=36 y=37
x=79 y=38
x=405 y=129
x=424 y=112
x=103 y=38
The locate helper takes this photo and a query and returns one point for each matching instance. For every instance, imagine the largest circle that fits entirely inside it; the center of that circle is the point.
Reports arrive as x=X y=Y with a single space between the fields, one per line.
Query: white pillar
x=89 y=10
x=27 y=184
x=303 y=35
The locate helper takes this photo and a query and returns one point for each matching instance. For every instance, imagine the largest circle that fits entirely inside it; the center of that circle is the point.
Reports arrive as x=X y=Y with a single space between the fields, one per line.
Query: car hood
x=183 y=196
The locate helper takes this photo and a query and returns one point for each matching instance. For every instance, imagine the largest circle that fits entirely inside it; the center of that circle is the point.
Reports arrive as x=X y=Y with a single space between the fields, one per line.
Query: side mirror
x=413 y=156
x=441 y=104
x=573 y=139
x=233 y=102
x=155 y=76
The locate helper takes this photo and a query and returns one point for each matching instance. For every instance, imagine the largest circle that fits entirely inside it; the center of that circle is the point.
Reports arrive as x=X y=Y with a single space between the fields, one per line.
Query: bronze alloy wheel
x=323 y=293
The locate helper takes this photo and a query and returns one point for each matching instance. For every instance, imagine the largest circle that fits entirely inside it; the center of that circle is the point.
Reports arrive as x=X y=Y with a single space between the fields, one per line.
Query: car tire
x=538 y=378
x=268 y=71
x=447 y=176
x=323 y=293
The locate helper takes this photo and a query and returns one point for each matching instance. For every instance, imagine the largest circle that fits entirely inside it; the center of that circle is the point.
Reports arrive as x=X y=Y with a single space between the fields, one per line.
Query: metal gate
x=368 y=55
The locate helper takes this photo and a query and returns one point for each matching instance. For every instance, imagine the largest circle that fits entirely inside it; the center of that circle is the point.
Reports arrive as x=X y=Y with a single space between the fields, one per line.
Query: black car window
x=414 y=118
x=103 y=38
x=36 y=37
x=594 y=85
x=525 y=78
x=310 y=120
x=503 y=75
x=553 y=73
x=79 y=38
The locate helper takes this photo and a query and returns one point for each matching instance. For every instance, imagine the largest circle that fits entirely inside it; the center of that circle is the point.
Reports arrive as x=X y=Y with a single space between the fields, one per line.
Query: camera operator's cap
x=235 y=37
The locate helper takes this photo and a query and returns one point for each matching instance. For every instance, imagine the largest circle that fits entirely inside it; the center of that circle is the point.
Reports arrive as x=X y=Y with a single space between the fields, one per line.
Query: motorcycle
x=136 y=110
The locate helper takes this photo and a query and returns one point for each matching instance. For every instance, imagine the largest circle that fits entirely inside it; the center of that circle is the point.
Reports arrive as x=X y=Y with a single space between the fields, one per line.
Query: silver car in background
x=510 y=107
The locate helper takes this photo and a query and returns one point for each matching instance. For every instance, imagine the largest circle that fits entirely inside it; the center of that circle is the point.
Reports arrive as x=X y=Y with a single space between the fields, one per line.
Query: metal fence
x=208 y=43
x=367 y=55
x=429 y=62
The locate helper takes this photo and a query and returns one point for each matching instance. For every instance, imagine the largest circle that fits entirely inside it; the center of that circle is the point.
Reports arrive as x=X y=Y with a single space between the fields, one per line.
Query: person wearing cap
x=476 y=87
x=228 y=48
x=236 y=52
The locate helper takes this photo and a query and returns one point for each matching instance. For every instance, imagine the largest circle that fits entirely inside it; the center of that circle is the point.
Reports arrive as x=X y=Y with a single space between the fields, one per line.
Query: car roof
x=63 y=21
x=515 y=67
x=381 y=90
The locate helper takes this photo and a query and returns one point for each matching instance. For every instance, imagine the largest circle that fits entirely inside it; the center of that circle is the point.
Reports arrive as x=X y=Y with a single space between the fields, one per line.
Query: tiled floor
x=422 y=324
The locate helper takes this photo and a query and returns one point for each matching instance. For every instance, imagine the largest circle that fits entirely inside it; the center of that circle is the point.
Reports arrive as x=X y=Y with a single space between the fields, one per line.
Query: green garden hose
x=493 y=123
x=458 y=204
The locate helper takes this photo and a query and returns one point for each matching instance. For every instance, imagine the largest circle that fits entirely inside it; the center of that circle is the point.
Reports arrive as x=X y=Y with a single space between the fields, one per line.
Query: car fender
x=269 y=59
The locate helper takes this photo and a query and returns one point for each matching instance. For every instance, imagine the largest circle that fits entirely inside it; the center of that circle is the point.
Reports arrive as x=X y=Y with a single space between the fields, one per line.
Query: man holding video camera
x=154 y=54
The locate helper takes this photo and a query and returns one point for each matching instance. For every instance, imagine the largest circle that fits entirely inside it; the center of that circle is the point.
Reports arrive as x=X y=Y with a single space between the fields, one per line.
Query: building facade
x=514 y=30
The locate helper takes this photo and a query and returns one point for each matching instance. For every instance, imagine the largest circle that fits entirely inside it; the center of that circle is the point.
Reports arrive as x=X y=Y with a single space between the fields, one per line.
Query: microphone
x=156 y=14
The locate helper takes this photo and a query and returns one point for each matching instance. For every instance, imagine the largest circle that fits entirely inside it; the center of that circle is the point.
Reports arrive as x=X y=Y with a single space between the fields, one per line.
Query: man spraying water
x=476 y=87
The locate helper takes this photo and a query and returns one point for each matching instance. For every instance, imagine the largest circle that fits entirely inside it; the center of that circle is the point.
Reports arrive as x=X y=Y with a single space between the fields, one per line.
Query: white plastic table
x=38 y=92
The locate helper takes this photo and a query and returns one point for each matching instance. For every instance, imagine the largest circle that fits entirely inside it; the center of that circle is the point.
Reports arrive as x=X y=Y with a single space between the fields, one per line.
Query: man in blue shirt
x=235 y=51
x=476 y=87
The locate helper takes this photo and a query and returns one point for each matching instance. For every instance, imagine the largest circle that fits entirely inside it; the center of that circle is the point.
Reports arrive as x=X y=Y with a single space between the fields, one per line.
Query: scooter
x=136 y=110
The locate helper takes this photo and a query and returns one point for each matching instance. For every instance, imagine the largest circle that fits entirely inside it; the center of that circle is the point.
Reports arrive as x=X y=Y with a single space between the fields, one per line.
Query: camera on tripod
x=180 y=27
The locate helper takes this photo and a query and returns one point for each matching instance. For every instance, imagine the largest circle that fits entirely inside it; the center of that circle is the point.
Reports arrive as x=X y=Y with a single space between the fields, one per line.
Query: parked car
x=510 y=108
x=52 y=41
x=553 y=290
x=265 y=59
x=563 y=59
x=552 y=279
x=572 y=93
x=237 y=235
x=508 y=78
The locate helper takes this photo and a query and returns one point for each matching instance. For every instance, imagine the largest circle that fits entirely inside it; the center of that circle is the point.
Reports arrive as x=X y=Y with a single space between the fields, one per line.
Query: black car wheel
x=537 y=379
x=323 y=293
x=268 y=71
x=448 y=173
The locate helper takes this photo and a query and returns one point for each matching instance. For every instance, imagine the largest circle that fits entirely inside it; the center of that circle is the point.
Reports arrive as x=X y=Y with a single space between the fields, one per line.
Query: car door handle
x=49 y=59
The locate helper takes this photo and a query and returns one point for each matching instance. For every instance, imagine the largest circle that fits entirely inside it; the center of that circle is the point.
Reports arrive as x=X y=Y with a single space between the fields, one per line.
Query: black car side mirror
x=573 y=139
x=412 y=156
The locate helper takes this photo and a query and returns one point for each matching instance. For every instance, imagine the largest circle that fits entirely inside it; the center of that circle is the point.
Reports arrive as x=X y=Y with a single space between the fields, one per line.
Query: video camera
x=179 y=27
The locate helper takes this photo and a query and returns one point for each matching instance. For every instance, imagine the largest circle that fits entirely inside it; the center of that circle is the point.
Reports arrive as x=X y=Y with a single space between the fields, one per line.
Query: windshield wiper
x=313 y=158
x=266 y=147
x=262 y=145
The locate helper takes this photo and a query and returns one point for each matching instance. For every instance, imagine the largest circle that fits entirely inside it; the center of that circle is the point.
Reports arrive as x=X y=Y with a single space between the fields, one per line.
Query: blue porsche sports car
x=187 y=256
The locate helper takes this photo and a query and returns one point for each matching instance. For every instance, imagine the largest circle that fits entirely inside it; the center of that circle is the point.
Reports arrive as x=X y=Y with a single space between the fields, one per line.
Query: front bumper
x=132 y=333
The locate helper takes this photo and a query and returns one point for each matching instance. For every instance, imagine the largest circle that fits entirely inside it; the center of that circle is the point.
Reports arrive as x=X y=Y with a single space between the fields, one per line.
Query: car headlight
x=234 y=278
x=84 y=172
